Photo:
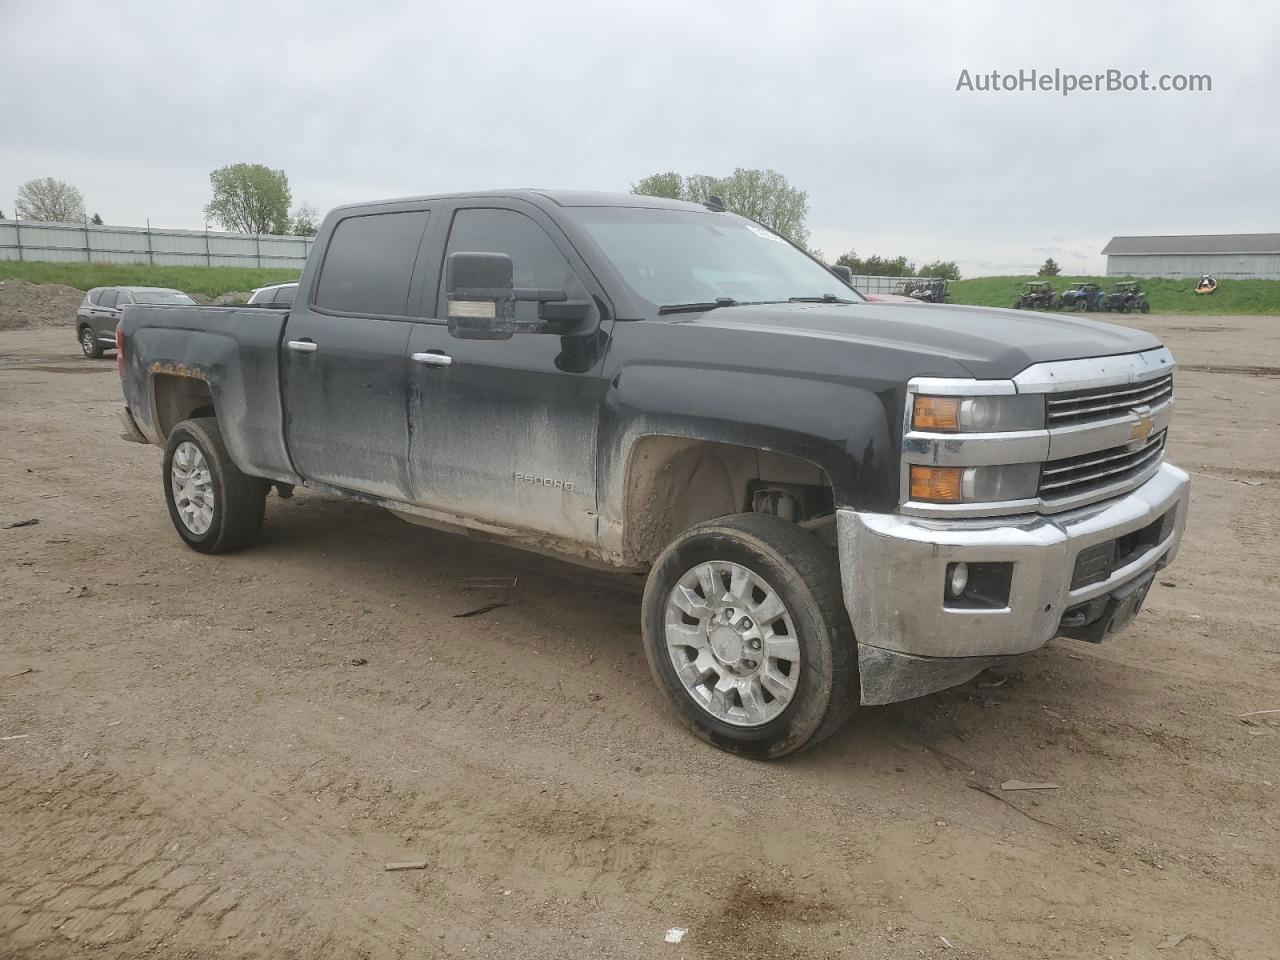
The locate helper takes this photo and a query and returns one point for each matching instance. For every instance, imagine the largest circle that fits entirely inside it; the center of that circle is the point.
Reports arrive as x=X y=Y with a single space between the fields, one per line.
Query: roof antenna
x=715 y=204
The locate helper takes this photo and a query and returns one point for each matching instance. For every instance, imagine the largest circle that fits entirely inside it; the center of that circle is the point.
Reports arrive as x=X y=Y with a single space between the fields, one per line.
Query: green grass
x=209 y=281
x=1164 y=294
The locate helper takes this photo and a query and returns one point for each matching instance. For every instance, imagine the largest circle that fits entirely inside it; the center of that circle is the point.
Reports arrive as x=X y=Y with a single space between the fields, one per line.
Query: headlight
x=1009 y=481
x=994 y=414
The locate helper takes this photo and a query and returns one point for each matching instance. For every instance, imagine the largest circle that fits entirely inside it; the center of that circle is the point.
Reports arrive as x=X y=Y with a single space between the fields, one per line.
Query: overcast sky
x=135 y=103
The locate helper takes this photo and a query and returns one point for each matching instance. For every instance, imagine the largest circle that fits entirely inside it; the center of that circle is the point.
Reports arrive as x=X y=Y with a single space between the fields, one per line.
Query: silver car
x=100 y=310
x=278 y=296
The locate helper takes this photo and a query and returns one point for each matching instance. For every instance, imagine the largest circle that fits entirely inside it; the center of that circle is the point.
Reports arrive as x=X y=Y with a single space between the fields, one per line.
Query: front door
x=344 y=356
x=505 y=430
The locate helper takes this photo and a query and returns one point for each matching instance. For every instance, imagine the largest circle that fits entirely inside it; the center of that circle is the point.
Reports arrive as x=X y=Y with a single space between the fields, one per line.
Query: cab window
x=536 y=260
x=368 y=264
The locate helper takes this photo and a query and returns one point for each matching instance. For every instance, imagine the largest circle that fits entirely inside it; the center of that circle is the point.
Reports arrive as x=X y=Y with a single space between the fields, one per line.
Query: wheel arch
x=674 y=482
x=178 y=396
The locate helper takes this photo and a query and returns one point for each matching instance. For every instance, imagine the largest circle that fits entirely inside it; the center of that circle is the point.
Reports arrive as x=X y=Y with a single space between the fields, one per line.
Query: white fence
x=864 y=283
x=81 y=242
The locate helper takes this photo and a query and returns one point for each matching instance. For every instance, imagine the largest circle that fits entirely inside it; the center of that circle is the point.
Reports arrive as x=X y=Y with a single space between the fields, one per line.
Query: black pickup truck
x=836 y=501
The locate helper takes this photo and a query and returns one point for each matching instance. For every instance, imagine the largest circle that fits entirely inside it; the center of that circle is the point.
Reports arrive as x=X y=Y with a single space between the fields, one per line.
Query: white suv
x=278 y=296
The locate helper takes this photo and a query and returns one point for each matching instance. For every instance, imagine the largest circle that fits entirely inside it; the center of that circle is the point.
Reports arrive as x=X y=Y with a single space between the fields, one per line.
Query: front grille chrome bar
x=1083 y=405
x=1077 y=474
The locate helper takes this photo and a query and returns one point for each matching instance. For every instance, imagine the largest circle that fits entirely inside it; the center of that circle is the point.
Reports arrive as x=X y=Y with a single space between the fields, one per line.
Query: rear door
x=504 y=431
x=105 y=315
x=344 y=355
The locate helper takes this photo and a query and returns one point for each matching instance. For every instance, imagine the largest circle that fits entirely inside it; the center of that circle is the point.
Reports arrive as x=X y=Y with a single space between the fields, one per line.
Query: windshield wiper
x=696 y=307
x=825 y=298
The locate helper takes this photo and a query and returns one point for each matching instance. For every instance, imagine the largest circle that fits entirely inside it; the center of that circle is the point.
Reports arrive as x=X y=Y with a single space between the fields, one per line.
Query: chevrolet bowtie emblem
x=1142 y=429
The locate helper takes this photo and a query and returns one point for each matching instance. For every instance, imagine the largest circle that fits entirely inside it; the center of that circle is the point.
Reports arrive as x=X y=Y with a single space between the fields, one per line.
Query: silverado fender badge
x=543 y=481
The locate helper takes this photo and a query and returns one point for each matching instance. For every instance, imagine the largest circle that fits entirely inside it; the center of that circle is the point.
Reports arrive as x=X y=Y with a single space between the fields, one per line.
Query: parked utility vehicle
x=835 y=501
x=1036 y=295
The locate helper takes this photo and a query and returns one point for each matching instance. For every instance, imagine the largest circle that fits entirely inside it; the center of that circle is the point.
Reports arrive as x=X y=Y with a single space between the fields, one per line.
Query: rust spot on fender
x=179 y=370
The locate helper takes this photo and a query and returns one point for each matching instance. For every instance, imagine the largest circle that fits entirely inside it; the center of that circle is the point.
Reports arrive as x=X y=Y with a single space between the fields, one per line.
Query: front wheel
x=746 y=633
x=89 y=343
x=213 y=506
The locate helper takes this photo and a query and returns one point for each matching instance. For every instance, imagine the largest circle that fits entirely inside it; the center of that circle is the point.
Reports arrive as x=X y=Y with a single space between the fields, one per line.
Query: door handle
x=432 y=359
x=304 y=346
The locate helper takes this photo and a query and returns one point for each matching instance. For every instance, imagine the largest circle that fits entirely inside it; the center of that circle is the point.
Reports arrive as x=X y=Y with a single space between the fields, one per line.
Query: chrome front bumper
x=893 y=567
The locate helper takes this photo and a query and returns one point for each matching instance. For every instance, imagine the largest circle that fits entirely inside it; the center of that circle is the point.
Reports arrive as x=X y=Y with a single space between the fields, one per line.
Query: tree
x=50 y=200
x=669 y=185
x=877 y=266
x=96 y=220
x=305 y=221
x=1048 y=269
x=762 y=195
x=946 y=269
x=1 y=214
x=250 y=198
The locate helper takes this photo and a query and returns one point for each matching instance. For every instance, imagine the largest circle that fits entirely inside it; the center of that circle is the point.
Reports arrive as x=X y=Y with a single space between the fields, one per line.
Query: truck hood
x=990 y=343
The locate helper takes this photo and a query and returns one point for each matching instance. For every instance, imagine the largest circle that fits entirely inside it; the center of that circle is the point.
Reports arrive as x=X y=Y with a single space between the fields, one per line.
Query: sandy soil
x=207 y=757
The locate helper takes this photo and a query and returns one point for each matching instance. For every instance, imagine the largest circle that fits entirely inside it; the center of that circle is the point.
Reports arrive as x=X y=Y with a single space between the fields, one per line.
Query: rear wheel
x=746 y=633
x=89 y=343
x=214 y=507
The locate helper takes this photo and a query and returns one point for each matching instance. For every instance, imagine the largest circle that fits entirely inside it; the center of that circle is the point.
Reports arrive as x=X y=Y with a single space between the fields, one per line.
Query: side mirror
x=844 y=273
x=482 y=301
x=480 y=296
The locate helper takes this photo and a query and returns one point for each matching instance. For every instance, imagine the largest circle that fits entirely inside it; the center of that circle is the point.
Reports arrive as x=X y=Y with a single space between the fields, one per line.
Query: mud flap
x=131 y=431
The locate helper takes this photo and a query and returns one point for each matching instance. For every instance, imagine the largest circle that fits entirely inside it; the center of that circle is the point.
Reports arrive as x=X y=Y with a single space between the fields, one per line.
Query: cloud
x=136 y=103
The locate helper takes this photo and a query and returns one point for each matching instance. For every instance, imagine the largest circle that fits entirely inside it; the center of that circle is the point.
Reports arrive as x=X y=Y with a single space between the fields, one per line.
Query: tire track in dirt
x=161 y=845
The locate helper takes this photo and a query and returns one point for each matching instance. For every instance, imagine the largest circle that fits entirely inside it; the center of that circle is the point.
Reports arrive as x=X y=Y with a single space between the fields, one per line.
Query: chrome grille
x=1071 y=476
x=1102 y=403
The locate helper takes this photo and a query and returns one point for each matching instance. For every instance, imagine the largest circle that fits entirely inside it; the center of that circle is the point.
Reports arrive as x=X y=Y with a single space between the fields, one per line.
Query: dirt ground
x=216 y=756
x=24 y=304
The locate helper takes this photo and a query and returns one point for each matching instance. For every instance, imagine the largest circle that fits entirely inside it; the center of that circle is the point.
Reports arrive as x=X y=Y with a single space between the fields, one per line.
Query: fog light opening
x=957 y=578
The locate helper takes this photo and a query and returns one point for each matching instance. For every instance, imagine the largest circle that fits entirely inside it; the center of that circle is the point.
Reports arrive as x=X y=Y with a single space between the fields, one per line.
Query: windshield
x=171 y=297
x=673 y=257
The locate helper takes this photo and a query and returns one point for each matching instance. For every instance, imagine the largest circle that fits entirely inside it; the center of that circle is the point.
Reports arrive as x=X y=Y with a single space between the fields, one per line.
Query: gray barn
x=1221 y=255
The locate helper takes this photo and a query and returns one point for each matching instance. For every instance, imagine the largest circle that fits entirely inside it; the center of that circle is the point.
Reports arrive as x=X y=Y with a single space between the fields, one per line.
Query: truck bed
x=235 y=351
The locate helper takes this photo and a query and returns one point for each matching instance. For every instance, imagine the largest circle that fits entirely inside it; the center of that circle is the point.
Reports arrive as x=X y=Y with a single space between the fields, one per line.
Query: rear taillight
x=120 y=350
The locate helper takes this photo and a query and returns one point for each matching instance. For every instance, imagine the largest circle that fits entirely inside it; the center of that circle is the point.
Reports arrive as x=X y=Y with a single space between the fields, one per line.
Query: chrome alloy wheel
x=732 y=643
x=88 y=342
x=192 y=487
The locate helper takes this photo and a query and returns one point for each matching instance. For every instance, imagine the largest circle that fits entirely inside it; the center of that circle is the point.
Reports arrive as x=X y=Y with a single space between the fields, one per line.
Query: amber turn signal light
x=935 y=413
x=936 y=484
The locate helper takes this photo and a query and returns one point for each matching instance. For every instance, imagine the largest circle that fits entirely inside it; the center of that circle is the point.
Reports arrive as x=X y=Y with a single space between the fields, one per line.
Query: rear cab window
x=369 y=263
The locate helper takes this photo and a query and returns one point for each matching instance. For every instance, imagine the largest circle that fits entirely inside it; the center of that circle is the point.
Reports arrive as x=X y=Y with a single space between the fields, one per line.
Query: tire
x=235 y=502
x=89 y=343
x=1144 y=307
x=802 y=574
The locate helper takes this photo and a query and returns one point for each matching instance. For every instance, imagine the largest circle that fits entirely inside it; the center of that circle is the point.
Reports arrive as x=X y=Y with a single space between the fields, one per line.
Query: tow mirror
x=844 y=273
x=482 y=301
